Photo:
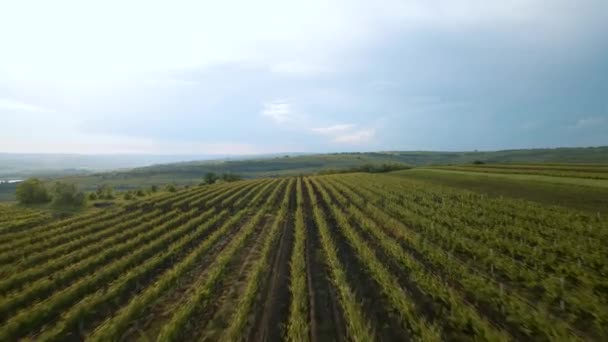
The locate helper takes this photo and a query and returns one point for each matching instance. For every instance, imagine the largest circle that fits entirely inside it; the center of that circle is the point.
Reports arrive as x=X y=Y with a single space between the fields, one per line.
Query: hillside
x=376 y=256
x=313 y=163
x=192 y=172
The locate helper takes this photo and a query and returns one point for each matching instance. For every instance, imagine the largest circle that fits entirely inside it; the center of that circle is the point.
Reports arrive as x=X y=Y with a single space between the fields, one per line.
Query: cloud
x=278 y=110
x=346 y=133
x=589 y=122
x=173 y=82
x=298 y=69
x=356 y=137
x=382 y=84
x=116 y=144
x=12 y=105
x=333 y=130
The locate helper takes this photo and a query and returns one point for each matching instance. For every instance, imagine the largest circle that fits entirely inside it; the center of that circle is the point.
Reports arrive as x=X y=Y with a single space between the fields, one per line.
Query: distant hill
x=314 y=163
x=183 y=173
x=305 y=164
x=19 y=165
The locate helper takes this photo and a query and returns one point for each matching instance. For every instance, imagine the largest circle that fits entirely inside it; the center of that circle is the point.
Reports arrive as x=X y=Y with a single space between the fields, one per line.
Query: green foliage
x=105 y=191
x=539 y=188
x=170 y=188
x=154 y=188
x=32 y=191
x=298 y=328
x=210 y=178
x=92 y=196
x=67 y=194
x=140 y=193
x=230 y=177
x=369 y=168
x=402 y=258
x=128 y=196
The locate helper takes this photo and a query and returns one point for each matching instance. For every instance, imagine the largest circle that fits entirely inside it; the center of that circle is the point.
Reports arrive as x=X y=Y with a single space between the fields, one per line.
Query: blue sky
x=247 y=77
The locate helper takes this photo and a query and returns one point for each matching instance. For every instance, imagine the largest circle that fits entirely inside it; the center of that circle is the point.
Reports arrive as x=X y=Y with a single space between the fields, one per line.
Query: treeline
x=34 y=191
x=212 y=177
x=367 y=168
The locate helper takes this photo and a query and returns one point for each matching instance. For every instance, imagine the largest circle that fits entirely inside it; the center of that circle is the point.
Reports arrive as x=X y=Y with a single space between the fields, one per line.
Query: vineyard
x=590 y=171
x=358 y=257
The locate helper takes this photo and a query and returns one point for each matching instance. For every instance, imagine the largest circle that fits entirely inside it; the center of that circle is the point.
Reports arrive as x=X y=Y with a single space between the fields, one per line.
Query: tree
x=154 y=188
x=170 y=188
x=230 y=177
x=32 y=191
x=104 y=191
x=67 y=194
x=92 y=196
x=210 y=178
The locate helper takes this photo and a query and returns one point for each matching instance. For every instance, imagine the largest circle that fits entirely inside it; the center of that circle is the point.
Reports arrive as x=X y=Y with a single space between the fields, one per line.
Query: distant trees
x=32 y=191
x=230 y=177
x=210 y=178
x=369 y=168
x=170 y=188
x=478 y=162
x=104 y=191
x=67 y=194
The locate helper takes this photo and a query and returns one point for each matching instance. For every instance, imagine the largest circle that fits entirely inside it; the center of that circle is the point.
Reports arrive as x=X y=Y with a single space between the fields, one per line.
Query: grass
x=601 y=183
x=582 y=194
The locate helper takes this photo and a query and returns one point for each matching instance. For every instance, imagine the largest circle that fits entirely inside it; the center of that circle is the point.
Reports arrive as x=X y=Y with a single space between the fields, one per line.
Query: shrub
x=230 y=177
x=104 y=191
x=67 y=194
x=210 y=178
x=32 y=191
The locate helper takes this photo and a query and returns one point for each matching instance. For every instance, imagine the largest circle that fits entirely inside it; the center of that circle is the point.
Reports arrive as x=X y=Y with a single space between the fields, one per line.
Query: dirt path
x=275 y=310
x=327 y=319
x=387 y=324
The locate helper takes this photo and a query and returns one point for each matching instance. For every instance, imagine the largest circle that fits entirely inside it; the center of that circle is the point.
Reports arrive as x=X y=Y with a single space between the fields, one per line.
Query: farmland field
x=339 y=257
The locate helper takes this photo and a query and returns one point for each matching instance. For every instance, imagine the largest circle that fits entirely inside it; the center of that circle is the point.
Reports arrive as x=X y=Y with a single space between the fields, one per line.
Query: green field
x=192 y=173
x=597 y=171
x=589 y=195
x=339 y=257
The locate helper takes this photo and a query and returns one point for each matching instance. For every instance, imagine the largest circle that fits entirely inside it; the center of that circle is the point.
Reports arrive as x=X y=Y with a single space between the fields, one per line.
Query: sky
x=255 y=77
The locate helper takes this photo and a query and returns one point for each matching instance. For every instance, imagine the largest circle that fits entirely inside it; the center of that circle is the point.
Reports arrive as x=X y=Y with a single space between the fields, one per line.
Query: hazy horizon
x=253 y=78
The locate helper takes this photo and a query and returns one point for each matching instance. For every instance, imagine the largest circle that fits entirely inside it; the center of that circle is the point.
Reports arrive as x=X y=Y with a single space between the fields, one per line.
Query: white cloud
x=172 y=82
x=346 y=133
x=12 y=105
x=383 y=84
x=333 y=130
x=114 y=144
x=589 y=122
x=298 y=69
x=356 y=137
x=279 y=110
